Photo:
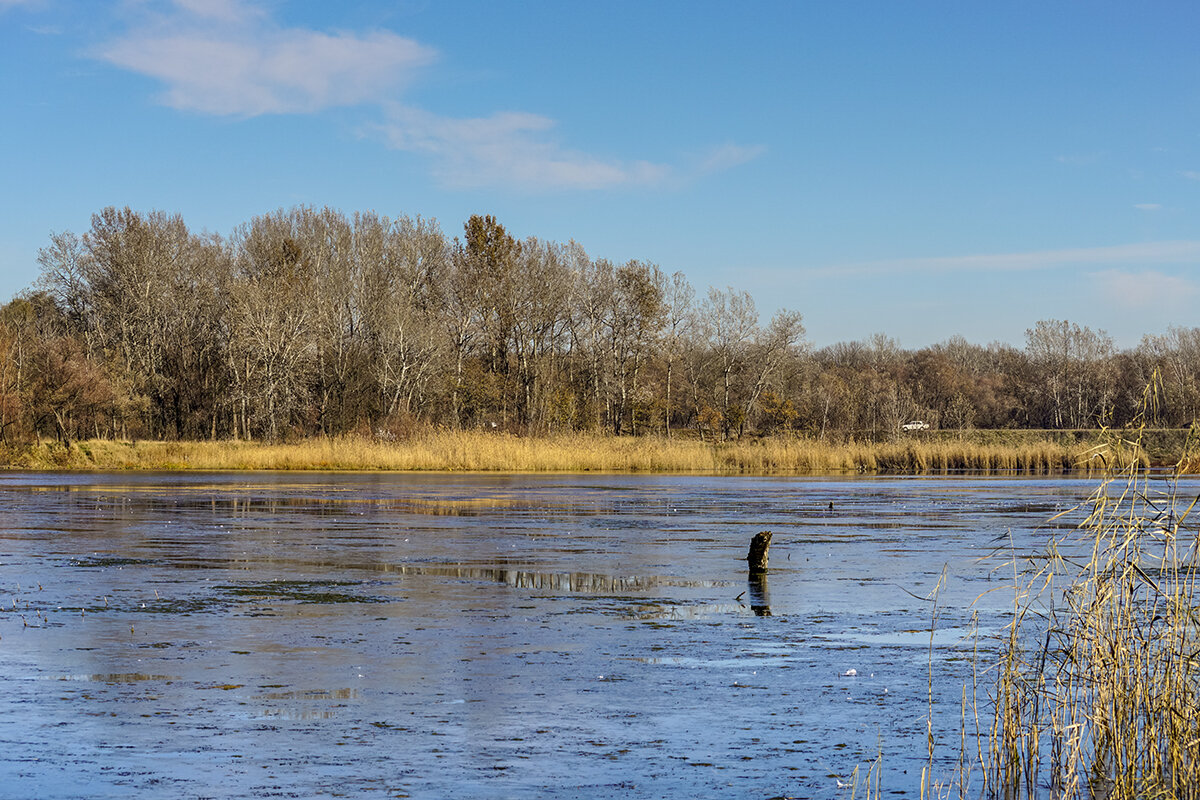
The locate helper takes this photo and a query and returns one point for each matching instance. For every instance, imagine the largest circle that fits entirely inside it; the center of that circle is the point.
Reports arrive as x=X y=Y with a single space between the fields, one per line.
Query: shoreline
x=437 y=451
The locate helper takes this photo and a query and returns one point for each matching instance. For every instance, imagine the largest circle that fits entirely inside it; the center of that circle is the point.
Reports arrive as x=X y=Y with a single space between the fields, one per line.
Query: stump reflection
x=760 y=595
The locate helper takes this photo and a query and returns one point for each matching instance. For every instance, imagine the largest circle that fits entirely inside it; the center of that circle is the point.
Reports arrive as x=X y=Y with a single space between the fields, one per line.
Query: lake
x=400 y=635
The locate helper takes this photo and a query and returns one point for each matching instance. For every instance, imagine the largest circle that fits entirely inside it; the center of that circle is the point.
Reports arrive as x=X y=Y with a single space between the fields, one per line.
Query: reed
x=446 y=450
x=1100 y=696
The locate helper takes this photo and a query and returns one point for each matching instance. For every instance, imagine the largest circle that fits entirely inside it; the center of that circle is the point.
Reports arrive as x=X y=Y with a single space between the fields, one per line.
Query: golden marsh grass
x=472 y=451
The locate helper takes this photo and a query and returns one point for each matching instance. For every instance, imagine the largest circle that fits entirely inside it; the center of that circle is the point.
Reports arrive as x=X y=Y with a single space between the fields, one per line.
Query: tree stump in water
x=759 y=547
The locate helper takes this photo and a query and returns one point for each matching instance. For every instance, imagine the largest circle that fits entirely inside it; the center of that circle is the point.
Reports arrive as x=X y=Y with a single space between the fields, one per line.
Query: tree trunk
x=757 y=558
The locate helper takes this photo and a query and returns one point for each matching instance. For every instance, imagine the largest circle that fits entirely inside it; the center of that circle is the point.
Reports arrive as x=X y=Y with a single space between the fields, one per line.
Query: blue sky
x=920 y=169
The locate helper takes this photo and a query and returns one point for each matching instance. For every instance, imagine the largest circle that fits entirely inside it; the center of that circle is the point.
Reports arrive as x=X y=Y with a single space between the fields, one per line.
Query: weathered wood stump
x=760 y=546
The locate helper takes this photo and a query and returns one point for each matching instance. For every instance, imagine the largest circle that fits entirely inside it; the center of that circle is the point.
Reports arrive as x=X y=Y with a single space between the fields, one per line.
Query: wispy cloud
x=1191 y=174
x=1148 y=206
x=727 y=156
x=230 y=57
x=1146 y=289
x=1168 y=252
x=7 y=4
x=508 y=148
x=519 y=150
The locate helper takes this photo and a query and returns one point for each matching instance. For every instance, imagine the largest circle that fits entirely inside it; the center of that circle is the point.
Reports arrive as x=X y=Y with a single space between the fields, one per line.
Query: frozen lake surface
x=346 y=635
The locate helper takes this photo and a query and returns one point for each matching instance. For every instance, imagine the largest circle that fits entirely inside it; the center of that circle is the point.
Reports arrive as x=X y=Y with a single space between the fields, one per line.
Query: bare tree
x=680 y=319
x=404 y=266
x=491 y=256
x=591 y=295
x=539 y=300
x=137 y=287
x=635 y=320
x=774 y=348
x=1176 y=356
x=272 y=319
x=1073 y=374
x=731 y=321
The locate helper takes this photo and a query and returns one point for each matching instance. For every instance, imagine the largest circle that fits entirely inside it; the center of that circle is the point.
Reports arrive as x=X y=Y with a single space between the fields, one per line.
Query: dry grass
x=439 y=450
x=1100 y=696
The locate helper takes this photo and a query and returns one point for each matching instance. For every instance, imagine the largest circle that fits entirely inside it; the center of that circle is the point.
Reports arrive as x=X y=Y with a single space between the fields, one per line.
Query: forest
x=309 y=322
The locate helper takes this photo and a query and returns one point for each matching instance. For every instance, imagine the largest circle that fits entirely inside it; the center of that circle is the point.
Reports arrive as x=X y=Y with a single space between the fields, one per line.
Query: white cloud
x=229 y=57
x=7 y=4
x=1148 y=206
x=225 y=57
x=1146 y=289
x=1168 y=252
x=508 y=149
x=1191 y=175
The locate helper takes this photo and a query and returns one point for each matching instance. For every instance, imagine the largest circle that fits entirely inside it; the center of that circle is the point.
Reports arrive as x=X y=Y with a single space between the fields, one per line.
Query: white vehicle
x=915 y=425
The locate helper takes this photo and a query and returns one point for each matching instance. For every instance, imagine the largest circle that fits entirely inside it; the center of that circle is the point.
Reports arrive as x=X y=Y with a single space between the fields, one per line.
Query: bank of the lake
x=1037 y=452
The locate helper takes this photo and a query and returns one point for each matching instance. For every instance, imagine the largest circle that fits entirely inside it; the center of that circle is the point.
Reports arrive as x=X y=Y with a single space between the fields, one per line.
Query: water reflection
x=499 y=636
x=109 y=677
x=579 y=582
x=760 y=594
x=314 y=694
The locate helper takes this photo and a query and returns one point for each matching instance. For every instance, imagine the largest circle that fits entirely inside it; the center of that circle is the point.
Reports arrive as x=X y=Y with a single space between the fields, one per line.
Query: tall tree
x=133 y=286
x=1074 y=379
x=774 y=348
x=635 y=319
x=731 y=320
x=404 y=264
x=539 y=308
x=272 y=319
x=491 y=258
x=680 y=319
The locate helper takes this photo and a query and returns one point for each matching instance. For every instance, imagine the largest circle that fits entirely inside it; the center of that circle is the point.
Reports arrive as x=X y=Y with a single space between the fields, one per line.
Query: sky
x=918 y=169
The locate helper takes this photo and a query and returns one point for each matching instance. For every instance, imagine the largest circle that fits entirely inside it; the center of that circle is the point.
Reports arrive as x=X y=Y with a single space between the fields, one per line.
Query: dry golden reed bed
x=1097 y=695
x=491 y=452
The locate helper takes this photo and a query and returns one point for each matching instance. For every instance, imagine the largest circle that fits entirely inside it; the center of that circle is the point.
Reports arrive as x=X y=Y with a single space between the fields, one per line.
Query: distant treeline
x=307 y=321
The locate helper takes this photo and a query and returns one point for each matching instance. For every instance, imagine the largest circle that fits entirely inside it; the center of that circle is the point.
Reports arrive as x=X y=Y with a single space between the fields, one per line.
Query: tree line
x=309 y=322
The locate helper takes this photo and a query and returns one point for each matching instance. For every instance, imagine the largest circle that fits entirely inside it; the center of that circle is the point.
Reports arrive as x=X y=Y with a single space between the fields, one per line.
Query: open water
x=437 y=636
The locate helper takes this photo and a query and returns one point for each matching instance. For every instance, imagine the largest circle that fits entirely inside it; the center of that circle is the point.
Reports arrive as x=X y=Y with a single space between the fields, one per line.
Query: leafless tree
x=404 y=266
x=731 y=320
x=273 y=315
x=680 y=319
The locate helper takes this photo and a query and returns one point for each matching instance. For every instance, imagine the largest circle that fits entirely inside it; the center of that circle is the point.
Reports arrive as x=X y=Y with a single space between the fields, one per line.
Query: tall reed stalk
x=1098 y=697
